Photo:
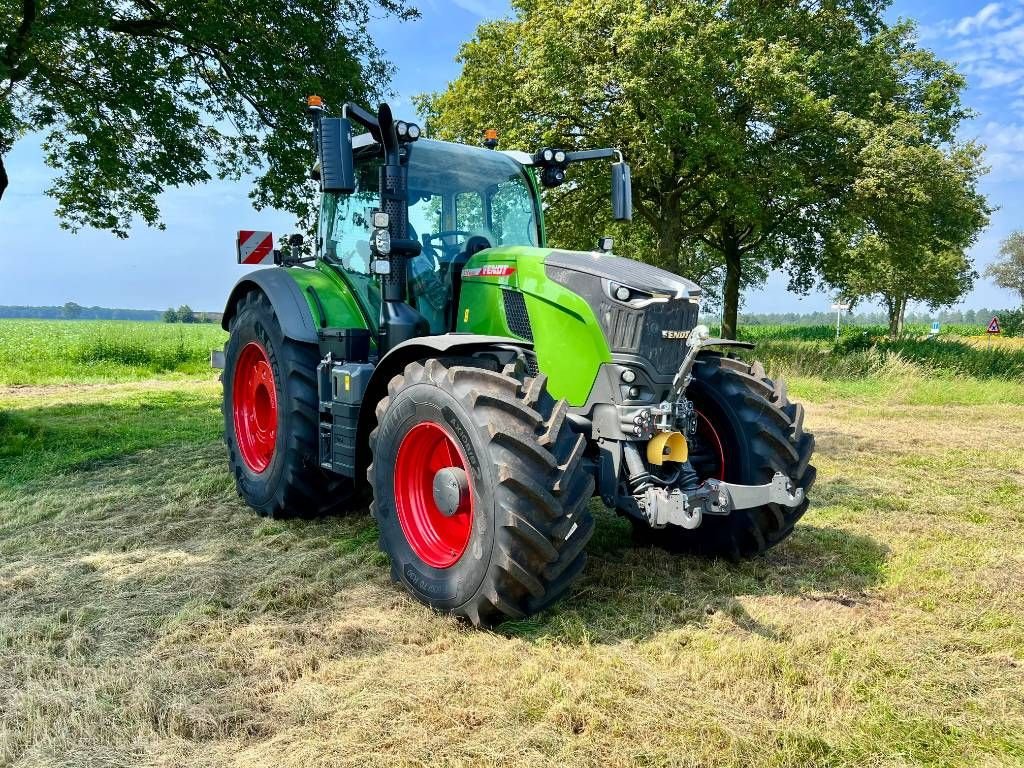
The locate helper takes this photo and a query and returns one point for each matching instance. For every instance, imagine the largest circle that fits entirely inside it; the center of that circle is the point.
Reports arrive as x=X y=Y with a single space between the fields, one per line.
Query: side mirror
x=337 y=167
x=622 y=192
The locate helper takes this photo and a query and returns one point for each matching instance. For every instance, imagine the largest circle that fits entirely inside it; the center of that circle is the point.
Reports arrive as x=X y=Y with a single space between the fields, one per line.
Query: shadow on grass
x=40 y=442
x=630 y=593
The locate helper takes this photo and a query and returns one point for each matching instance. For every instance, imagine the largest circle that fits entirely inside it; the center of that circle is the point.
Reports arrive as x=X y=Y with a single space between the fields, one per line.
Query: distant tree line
x=946 y=317
x=73 y=311
x=185 y=314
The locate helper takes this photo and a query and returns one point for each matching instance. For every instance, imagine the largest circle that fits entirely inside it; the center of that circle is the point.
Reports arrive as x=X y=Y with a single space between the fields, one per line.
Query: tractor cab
x=462 y=200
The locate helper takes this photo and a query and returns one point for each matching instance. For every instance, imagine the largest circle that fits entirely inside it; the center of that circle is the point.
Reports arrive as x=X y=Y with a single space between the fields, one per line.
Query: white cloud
x=993 y=75
x=478 y=7
x=1003 y=136
x=981 y=20
x=988 y=45
x=1004 y=152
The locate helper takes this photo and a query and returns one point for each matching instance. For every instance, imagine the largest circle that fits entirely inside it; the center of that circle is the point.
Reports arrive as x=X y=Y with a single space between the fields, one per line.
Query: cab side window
x=346 y=221
x=469 y=212
x=345 y=225
x=512 y=213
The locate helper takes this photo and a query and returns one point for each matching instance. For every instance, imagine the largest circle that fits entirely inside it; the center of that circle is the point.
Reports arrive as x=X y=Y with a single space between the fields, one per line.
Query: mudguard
x=394 y=362
x=285 y=296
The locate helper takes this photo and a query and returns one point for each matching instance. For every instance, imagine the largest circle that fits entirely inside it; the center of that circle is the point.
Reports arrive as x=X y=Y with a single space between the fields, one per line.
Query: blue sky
x=192 y=261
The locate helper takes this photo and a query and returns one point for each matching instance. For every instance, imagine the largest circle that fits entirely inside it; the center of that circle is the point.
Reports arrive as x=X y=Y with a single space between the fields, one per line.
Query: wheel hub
x=451 y=489
x=254 y=406
x=433 y=495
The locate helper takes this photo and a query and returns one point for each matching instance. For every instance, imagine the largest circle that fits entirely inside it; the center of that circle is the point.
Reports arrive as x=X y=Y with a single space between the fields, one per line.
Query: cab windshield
x=461 y=200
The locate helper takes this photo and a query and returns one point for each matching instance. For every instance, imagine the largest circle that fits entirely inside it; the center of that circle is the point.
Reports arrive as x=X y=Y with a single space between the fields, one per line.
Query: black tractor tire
x=291 y=484
x=761 y=432
x=529 y=521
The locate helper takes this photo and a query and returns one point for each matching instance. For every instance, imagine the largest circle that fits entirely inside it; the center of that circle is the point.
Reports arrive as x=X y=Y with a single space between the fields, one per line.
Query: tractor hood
x=642 y=280
x=646 y=282
x=637 y=311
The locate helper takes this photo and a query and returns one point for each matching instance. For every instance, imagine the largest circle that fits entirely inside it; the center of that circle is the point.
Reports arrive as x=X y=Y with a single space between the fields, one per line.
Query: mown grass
x=147 y=617
x=34 y=352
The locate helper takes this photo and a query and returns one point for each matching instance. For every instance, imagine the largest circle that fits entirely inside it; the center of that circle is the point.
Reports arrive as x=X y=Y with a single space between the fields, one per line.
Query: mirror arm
x=364 y=118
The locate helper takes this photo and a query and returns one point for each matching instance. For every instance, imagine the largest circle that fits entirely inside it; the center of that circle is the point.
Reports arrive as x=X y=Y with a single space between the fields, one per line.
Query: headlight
x=559 y=156
x=414 y=131
x=382 y=242
x=548 y=155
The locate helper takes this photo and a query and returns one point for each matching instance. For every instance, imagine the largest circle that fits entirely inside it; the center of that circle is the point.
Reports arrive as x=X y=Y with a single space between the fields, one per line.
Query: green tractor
x=435 y=352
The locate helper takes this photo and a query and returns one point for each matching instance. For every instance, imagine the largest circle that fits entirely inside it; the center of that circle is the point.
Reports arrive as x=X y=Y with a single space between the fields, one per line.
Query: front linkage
x=683 y=499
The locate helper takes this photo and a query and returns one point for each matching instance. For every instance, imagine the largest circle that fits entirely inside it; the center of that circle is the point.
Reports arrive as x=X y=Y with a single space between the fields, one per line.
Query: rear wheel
x=747 y=430
x=271 y=414
x=479 y=490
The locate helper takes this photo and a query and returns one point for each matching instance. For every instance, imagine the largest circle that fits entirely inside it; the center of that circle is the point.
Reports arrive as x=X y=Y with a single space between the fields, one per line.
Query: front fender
x=394 y=362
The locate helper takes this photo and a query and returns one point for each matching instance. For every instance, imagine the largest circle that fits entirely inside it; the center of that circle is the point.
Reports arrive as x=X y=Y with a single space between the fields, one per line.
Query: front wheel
x=747 y=430
x=479 y=491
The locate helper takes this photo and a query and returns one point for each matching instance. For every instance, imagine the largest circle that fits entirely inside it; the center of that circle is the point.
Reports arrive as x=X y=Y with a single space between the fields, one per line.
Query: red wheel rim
x=254 y=404
x=707 y=434
x=437 y=539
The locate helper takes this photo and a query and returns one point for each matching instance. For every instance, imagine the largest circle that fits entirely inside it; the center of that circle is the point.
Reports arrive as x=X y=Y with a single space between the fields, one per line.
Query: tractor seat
x=474 y=245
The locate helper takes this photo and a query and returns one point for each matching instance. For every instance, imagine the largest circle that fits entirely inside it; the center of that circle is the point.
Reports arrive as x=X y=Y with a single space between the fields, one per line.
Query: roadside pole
x=839 y=308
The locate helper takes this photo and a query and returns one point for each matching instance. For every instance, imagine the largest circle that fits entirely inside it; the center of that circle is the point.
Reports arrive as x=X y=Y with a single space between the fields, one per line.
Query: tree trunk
x=668 y=240
x=897 y=307
x=731 y=297
x=3 y=177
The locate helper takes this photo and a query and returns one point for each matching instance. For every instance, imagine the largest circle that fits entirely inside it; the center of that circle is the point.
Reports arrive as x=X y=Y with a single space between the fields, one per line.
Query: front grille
x=516 y=316
x=638 y=331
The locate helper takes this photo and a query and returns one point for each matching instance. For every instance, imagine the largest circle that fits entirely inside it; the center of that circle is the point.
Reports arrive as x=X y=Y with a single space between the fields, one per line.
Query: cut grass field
x=147 y=617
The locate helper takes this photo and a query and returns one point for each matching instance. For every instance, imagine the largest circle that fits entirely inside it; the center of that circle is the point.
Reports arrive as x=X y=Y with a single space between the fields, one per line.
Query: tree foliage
x=1008 y=271
x=746 y=122
x=170 y=315
x=71 y=311
x=134 y=96
x=914 y=208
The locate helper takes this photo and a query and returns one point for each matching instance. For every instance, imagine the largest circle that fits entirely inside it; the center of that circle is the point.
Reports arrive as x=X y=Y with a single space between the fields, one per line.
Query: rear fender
x=304 y=300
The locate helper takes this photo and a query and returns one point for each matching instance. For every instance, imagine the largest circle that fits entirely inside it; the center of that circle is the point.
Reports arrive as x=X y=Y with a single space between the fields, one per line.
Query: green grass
x=43 y=437
x=794 y=332
x=148 y=617
x=812 y=351
x=35 y=352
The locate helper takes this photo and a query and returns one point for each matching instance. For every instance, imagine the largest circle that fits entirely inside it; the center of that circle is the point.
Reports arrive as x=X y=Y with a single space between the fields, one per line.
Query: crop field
x=148 y=618
x=65 y=351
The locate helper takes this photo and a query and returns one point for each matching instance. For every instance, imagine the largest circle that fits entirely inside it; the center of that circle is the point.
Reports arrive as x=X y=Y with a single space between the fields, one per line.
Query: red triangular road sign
x=993 y=325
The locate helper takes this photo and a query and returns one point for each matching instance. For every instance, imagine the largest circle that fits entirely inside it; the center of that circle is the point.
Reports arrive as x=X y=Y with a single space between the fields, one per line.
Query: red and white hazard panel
x=255 y=247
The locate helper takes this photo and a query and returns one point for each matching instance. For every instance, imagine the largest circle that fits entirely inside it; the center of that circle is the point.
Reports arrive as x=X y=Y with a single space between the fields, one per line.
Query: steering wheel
x=450 y=249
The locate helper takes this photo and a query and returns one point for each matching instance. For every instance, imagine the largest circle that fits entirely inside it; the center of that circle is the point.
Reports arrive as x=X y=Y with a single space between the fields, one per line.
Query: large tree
x=134 y=96
x=914 y=211
x=1008 y=271
x=743 y=120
